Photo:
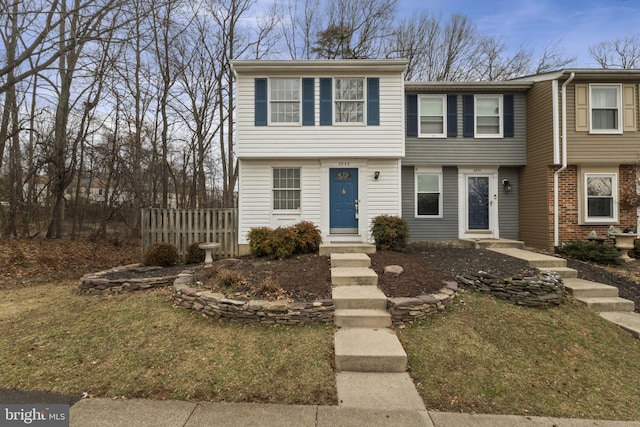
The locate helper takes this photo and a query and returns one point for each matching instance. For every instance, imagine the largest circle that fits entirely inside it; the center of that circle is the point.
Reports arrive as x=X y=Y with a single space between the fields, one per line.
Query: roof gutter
x=556 y=174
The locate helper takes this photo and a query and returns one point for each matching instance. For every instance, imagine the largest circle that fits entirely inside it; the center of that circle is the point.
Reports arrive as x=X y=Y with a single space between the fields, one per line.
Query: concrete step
x=363 y=297
x=378 y=390
x=350 y=260
x=628 y=321
x=586 y=288
x=492 y=243
x=368 y=350
x=600 y=304
x=327 y=249
x=564 y=272
x=352 y=276
x=541 y=261
x=362 y=318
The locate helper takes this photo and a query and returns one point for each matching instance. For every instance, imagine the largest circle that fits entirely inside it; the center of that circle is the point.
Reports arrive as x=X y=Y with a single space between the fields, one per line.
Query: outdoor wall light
x=506 y=185
x=376 y=175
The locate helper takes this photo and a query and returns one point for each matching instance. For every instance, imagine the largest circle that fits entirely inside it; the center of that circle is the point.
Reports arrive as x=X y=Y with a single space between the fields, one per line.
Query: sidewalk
x=143 y=413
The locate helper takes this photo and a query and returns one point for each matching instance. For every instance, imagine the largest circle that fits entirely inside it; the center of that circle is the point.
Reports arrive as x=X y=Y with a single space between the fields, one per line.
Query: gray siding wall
x=472 y=151
x=508 y=208
x=445 y=228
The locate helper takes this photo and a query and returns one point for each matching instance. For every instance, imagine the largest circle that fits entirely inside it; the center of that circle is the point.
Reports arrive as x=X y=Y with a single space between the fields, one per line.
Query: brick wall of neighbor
x=569 y=227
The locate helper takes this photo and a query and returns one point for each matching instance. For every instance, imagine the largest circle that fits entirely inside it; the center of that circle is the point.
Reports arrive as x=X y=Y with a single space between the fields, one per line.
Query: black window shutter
x=508 y=116
x=452 y=116
x=260 y=102
x=467 y=116
x=308 y=102
x=325 y=102
x=412 y=114
x=373 y=101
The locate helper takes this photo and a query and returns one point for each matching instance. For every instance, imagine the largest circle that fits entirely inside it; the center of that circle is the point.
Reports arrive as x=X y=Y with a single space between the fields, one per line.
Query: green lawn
x=488 y=356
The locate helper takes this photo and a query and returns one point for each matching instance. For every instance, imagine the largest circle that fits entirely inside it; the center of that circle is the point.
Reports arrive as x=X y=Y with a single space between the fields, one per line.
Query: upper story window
x=285 y=100
x=606 y=106
x=432 y=115
x=349 y=100
x=488 y=116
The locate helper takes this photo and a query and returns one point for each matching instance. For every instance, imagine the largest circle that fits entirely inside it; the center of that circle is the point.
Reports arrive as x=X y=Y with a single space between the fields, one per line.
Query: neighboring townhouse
x=319 y=141
x=465 y=147
x=583 y=145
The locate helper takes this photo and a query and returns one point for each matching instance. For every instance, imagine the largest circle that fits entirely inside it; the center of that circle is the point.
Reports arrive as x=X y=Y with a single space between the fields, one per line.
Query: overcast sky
x=578 y=24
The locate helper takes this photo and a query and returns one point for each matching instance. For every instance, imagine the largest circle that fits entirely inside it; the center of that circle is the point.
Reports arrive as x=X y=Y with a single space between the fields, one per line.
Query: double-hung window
x=286 y=188
x=601 y=194
x=349 y=100
x=432 y=115
x=285 y=100
x=488 y=116
x=606 y=105
x=428 y=184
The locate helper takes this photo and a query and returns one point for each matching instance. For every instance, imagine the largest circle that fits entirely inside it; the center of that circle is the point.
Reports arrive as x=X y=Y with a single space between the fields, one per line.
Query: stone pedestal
x=208 y=247
x=624 y=243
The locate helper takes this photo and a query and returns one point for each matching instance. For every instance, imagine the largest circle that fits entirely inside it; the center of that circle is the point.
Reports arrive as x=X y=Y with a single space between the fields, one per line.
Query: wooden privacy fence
x=181 y=227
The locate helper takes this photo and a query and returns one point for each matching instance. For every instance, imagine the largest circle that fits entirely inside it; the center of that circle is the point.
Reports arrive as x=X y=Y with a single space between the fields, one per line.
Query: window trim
x=619 y=107
x=270 y=102
x=585 y=174
x=500 y=99
x=428 y=171
x=334 y=100
x=274 y=189
x=442 y=97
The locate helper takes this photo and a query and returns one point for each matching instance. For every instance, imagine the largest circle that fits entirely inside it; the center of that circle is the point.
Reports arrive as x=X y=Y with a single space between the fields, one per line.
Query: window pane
x=349 y=112
x=431 y=125
x=349 y=89
x=429 y=183
x=285 y=90
x=600 y=207
x=429 y=204
x=487 y=106
x=605 y=119
x=604 y=97
x=431 y=106
x=599 y=186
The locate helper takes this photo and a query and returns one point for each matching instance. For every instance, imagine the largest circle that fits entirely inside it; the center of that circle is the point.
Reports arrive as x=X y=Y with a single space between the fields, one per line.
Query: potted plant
x=624 y=241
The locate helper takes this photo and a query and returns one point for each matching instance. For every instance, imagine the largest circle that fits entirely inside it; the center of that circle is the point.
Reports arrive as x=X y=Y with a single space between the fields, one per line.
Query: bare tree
x=553 y=57
x=621 y=52
x=299 y=23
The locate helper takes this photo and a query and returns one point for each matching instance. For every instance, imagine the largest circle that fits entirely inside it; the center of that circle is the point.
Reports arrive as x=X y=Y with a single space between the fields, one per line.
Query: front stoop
x=626 y=320
x=388 y=391
x=362 y=318
x=353 y=276
x=327 y=249
x=492 y=243
x=368 y=350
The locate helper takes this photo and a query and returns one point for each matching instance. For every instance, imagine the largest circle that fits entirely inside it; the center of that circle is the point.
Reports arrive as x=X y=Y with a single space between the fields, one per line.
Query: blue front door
x=343 y=200
x=478 y=202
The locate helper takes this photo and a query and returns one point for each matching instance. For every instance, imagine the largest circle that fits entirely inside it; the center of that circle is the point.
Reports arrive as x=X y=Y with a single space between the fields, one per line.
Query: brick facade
x=569 y=203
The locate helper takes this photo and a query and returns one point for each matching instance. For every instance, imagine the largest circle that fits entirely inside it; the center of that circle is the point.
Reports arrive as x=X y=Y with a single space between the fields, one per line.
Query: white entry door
x=478 y=203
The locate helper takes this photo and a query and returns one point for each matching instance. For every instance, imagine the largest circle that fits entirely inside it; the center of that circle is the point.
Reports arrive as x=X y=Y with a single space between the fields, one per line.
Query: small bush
x=390 y=232
x=195 y=255
x=308 y=237
x=269 y=288
x=635 y=252
x=283 y=242
x=161 y=254
x=230 y=280
x=591 y=251
x=258 y=237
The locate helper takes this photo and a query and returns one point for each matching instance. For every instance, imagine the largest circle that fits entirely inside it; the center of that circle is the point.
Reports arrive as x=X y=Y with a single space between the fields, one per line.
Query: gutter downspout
x=556 y=174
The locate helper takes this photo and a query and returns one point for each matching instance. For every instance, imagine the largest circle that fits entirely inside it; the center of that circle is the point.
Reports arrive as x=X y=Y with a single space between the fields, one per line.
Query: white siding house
x=319 y=141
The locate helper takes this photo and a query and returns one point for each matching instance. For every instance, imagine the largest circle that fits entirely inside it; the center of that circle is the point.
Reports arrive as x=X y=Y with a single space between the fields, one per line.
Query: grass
x=488 y=356
x=138 y=346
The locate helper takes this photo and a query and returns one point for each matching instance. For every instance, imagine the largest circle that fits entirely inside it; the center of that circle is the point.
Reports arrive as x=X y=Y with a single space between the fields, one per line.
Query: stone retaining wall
x=99 y=284
x=254 y=311
x=404 y=310
x=532 y=289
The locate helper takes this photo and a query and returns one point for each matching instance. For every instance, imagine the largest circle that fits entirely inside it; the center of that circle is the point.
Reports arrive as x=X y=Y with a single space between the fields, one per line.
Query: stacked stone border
x=531 y=289
x=218 y=306
x=98 y=283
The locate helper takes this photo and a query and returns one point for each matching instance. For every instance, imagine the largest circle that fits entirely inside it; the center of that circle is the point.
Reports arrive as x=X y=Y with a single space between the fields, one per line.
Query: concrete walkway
x=143 y=413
